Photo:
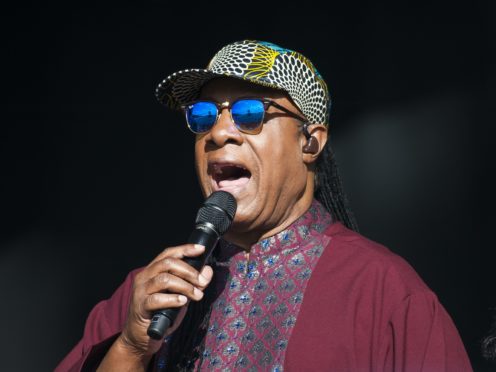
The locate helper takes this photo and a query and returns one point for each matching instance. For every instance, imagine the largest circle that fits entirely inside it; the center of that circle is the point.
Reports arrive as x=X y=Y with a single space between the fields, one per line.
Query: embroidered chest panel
x=260 y=296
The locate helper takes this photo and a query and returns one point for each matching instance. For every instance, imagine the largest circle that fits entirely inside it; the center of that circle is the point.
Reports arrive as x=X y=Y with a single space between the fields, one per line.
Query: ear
x=313 y=145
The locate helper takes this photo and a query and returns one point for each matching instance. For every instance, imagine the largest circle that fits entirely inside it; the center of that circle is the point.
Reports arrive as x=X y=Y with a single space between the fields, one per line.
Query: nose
x=225 y=131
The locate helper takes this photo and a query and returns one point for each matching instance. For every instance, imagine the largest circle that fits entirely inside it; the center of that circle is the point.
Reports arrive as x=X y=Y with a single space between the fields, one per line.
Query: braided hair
x=329 y=189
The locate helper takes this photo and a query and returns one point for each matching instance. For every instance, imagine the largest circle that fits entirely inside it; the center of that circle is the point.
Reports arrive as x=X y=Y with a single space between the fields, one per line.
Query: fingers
x=173 y=264
x=207 y=272
x=181 y=251
x=169 y=282
x=158 y=301
x=165 y=282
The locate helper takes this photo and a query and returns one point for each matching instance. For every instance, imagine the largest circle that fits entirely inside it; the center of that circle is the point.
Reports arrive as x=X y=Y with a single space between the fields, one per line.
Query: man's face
x=265 y=172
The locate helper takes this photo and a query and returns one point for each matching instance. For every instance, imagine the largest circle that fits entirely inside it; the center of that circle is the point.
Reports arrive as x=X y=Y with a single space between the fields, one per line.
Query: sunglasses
x=246 y=113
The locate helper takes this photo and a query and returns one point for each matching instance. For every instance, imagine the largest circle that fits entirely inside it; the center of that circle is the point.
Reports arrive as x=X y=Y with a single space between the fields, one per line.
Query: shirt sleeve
x=425 y=338
x=102 y=327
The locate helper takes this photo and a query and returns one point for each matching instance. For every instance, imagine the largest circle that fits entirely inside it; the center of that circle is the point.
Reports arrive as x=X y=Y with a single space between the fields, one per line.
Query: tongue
x=241 y=181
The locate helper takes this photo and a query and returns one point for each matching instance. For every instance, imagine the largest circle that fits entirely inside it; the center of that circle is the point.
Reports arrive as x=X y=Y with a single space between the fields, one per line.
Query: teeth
x=218 y=168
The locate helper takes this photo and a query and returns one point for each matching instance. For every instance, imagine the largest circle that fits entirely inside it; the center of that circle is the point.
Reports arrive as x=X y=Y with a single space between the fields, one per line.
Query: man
x=293 y=285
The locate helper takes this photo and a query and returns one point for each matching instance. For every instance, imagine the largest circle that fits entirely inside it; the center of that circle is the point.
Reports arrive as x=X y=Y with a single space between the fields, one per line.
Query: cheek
x=198 y=155
x=200 y=162
x=281 y=162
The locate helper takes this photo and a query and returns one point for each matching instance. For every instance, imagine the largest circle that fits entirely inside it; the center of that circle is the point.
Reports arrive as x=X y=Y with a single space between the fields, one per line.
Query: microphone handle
x=163 y=319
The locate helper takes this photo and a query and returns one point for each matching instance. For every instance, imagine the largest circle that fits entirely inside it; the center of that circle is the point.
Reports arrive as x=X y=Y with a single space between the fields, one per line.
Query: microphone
x=213 y=219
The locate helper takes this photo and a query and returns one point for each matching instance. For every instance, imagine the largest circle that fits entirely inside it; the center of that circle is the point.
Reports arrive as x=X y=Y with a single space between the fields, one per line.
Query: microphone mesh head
x=219 y=210
x=223 y=200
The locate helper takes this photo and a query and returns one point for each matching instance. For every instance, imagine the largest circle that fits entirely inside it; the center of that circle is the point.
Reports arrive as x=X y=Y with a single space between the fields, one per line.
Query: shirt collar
x=315 y=220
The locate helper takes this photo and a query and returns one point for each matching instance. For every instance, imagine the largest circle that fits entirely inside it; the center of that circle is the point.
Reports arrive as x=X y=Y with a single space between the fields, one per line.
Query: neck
x=289 y=214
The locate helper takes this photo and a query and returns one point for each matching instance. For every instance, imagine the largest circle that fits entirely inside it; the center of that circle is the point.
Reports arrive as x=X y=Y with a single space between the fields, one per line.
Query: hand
x=166 y=282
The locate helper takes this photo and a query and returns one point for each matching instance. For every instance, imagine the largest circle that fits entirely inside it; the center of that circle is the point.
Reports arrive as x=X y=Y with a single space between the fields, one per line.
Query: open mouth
x=229 y=176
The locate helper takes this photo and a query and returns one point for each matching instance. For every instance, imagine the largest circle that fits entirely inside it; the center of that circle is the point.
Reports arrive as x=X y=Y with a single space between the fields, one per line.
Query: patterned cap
x=258 y=62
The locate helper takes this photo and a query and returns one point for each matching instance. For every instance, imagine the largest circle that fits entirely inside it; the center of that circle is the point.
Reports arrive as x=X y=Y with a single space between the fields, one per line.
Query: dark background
x=97 y=178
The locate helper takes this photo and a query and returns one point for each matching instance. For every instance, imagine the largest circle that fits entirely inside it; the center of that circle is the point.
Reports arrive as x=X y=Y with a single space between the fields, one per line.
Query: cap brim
x=184 y=86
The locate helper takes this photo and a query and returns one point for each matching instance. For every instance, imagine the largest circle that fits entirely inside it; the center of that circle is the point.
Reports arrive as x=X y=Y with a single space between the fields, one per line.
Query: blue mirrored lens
x=248 y=113
x=201 y=116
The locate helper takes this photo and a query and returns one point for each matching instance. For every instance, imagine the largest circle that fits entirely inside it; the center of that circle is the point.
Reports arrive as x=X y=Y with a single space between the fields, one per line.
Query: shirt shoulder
x=365 y=308
x=357 y=258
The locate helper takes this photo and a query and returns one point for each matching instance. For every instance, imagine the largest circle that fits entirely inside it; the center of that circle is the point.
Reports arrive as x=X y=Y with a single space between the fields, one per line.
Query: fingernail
x=197 y=292
x=182 y=299
x=199 y=247
x=202 y=280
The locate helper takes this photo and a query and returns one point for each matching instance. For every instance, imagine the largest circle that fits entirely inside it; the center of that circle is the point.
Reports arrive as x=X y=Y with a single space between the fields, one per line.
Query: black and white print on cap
x=261 y=63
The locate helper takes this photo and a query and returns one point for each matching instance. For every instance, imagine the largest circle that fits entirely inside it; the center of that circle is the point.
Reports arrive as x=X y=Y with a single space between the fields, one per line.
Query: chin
x=247 y=217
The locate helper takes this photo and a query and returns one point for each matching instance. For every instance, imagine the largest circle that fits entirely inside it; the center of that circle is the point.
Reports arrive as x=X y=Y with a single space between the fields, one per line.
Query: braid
x=329 y=189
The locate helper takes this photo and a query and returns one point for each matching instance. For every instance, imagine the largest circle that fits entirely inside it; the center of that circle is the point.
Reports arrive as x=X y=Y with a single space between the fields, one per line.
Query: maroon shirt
x=363 y=309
